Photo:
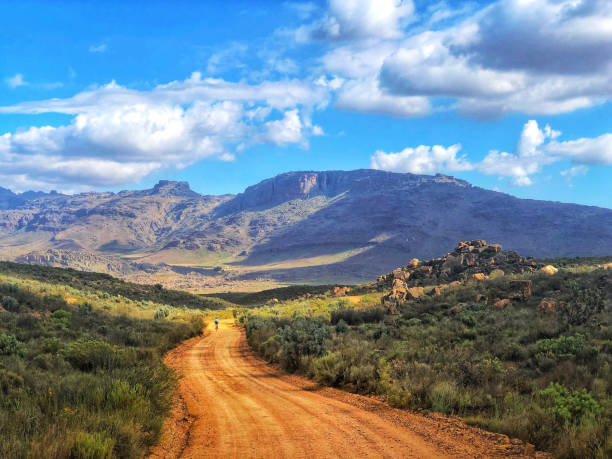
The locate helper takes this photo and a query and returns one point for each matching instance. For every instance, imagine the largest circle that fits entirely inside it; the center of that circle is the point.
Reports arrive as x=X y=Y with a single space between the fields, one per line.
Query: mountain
x=324 y=227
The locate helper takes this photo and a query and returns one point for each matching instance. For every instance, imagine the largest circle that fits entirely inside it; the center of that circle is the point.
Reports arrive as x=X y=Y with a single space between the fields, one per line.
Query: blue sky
x=509 y=95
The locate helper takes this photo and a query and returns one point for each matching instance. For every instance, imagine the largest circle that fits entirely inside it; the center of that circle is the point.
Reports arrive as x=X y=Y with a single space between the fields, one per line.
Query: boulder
x=479 y=276
x=413 y=263
x=548 y=305
x=414 y=292
x=341 y=291
x=502 y=303
x=607 y=266
x=549 y=269
x=481 y=299
x=521 y=289
x=399 y=273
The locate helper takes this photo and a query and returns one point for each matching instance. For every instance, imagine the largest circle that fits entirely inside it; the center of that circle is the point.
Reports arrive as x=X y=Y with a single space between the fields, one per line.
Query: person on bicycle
x=216 y=324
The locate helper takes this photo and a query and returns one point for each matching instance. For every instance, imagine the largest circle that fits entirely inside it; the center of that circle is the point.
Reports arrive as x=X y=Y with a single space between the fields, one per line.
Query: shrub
x=327 y=369
x=92 y=446
x=9 y=345
x=582 y=304
x=303 y=337
x=342 y=326
x=10 y=304
x=570 y=407
x=161 y=314
x=9 y=381
x=444 y=397
x=562 y=347
x=90 y=355
x=85 y=308
x=357 y=317
x=9 y=288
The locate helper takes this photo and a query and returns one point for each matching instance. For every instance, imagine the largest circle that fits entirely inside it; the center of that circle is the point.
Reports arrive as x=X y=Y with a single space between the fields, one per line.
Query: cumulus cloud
x=530 y=157
x=566 y=37
x=16 y=81
x=514 y=56
x=286 y=130
x=536 y=148
x=119 y=135
x=365 y=96
x=422 y=160
x=361 y=19
x=592 y=151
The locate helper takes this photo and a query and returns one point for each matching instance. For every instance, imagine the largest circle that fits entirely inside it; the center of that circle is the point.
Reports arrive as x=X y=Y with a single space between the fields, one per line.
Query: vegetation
x=81 y=374
x=542 y=374
x=89 y=281
x=282 y=294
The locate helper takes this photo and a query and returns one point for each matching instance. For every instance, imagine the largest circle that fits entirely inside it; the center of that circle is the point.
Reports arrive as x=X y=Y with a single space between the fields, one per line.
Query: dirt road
x=232 y=404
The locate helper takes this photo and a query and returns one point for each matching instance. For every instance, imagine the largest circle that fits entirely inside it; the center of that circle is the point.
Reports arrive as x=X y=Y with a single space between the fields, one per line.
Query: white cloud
x=593 y=151
x=422 y=160
x=16 y=81
x=514 y=56
x=286 y=130
x=536 y=148
x=546 y=36
x=575 y=171
x=365 y=96
x=317 y=131
x=118 y=135
x=360 y=19
x=98 y=48
x=529 y=158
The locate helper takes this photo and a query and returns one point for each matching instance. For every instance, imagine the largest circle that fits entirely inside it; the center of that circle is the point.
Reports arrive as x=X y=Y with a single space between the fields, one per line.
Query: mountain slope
x=333 y=226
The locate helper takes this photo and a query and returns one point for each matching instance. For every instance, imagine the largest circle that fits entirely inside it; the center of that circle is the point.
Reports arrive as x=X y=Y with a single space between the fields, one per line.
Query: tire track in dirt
x=232 y=404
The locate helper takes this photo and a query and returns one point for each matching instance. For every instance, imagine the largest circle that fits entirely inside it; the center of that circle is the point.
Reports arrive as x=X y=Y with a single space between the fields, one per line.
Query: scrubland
x=539 y=371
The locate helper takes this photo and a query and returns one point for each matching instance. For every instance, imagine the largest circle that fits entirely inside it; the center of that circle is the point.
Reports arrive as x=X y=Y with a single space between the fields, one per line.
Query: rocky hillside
x=298 y=227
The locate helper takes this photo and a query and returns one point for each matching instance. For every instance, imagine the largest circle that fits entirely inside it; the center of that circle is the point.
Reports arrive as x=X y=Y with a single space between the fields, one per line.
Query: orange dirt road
x=233 y=405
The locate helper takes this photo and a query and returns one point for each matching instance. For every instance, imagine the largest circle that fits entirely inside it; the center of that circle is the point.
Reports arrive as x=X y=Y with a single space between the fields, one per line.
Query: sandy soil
x=232 y=404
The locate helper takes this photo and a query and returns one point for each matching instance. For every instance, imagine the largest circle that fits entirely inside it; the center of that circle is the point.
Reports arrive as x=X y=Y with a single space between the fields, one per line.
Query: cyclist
x=216 y=324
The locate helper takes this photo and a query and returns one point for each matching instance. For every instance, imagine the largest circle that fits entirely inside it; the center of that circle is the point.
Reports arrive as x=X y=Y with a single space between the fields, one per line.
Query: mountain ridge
x=302 y=226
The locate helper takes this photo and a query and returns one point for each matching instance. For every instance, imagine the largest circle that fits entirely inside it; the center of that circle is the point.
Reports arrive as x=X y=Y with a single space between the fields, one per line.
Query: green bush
x=570 y=407
x=9 y=345
x=444 y=397
x=582 y=304
x=327 y=369
x=90 y=355
x=92 y=446
x=303 y=337
x=9 y=303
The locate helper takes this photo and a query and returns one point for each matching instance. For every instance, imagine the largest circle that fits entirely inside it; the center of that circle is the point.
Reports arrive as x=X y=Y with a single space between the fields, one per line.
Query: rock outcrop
x=476 y=260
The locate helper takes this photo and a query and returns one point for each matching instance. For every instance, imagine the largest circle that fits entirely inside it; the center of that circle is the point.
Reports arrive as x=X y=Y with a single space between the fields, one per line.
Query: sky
x=511 y=95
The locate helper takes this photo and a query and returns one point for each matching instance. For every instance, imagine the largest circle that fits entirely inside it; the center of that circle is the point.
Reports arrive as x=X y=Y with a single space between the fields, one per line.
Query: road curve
x=233 y=404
